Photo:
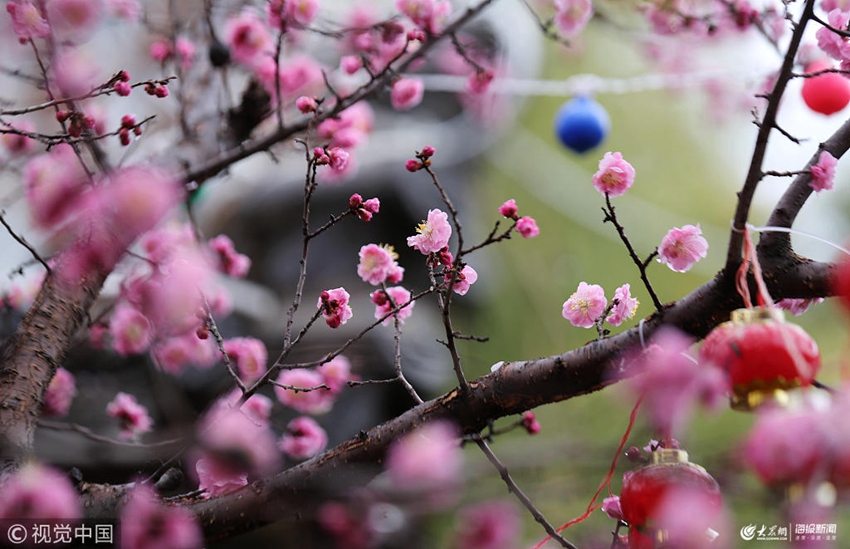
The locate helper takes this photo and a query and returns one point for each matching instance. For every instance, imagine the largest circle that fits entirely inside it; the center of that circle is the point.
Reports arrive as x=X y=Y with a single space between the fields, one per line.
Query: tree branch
x=512 y=389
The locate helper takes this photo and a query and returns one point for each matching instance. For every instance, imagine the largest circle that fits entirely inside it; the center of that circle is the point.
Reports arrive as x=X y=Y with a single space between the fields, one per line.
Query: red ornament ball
x=826 y=93
x=762 y=355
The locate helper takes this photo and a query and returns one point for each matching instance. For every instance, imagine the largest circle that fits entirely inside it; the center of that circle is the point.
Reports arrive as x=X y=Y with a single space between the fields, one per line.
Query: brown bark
x=30 y=357
x=512 y=389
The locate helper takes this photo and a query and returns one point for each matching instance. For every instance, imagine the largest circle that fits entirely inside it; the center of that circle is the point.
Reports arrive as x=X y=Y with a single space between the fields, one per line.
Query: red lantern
x=644 y=498
x=762 y=355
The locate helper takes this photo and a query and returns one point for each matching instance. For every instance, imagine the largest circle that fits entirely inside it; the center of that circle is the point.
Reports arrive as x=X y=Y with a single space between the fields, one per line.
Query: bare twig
x=20 y=240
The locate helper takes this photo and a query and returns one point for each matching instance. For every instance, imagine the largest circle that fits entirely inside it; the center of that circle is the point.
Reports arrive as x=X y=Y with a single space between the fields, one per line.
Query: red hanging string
x=606 y=482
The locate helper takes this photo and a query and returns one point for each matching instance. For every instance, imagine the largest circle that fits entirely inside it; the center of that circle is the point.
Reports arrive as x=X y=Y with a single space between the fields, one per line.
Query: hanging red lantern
x=649 y=492
x=762 y=355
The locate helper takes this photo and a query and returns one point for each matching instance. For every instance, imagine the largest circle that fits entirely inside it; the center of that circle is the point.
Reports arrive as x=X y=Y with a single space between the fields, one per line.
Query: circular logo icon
x=748 y=532
x=17 y=533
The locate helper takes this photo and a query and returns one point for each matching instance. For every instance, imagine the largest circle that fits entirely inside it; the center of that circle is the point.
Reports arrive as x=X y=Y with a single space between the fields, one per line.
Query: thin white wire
x=801 y=233
x=587 y=83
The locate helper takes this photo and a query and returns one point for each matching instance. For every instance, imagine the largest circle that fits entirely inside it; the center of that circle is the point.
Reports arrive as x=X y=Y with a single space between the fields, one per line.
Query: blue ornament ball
x=581 y=124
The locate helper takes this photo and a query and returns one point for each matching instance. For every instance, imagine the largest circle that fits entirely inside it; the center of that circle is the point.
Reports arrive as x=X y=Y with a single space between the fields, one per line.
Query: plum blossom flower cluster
x=313 y=392
x=364 y=209
x=525 y=225
x=588 y=305
x=162 y=309
x=334 y=306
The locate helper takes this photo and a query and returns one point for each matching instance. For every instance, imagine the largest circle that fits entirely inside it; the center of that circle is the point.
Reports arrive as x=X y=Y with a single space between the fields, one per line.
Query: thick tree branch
x=786 y=210
x=29 y=359
x=514 y=388
x=768 y=123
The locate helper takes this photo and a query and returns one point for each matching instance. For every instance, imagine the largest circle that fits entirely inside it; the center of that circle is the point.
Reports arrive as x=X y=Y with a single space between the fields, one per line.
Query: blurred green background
x=688 y=167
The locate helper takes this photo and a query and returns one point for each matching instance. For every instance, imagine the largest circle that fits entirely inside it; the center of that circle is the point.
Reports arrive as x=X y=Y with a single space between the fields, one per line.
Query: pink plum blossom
x=298 y=13
x=130 y=202
x=304 y=391
x=611 y=507
x=350 y=129
x=131 y=331
x=18 y=144
x=426 y=14
x=529 y=422
x=787 y=446
x=296 y=76
x=74 y=20
x=304 y=438
x=823 y=173
x=427 y=461
x=337 y=158
x=336 y=373
x=38 y=492
x=248 y=38
x=466 y=278
x=383 y=304
x=160 y=50
x=829 y=5
x=571 y=16
x=432 y=235
x=348 y=525
x=335 y=307
x=798 y=306
x=27 y=20
x=681 y=248
x=488 y=525
x=230 y=262
x=52 y=183
x=509 y=209
x=250 y=356
x=306 y=104
x=127 y=10
x=833 y=44
x=146 y=524
x=60 y=392
x=170 y=298
x=406 y=93
x=673 y=383
x=625 y=307
x=22 y=293
x=527 y=227
x=365 y=210
x=185 y=51
x=350 y=64
x=74 y=71
x=166 y=244
x=585 y=305
x=226 y=431
x=216 y=478
x=175 y=354
x=479 y=82
x=615 y=176
x=378 y=265
x=686 y=515
x=258 y=408
x=132 y=417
